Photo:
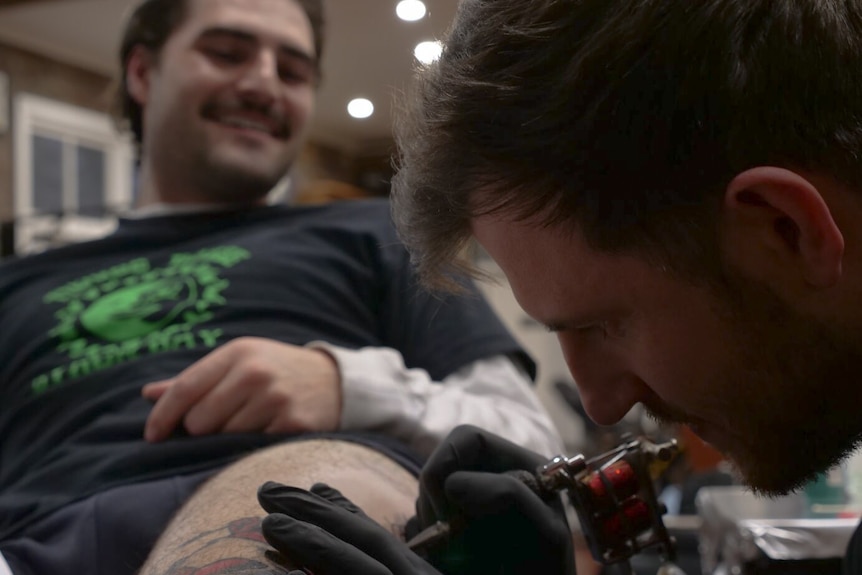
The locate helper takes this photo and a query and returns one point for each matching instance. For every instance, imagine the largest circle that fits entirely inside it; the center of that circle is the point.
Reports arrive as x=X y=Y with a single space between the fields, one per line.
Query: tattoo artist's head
x=670 y=187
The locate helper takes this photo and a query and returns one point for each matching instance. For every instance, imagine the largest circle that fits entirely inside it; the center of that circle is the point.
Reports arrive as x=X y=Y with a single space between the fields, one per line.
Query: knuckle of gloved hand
x=276 y=496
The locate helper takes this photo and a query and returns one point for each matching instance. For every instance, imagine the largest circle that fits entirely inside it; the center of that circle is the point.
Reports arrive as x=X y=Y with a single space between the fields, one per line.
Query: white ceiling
x=368 y=53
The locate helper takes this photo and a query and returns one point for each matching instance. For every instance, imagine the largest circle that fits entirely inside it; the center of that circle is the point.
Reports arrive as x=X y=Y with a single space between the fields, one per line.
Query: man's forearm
x=380 y=393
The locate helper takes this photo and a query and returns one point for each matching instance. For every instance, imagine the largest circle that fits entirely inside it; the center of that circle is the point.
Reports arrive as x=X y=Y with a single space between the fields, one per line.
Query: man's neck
x=162 y=190
x=154 y=190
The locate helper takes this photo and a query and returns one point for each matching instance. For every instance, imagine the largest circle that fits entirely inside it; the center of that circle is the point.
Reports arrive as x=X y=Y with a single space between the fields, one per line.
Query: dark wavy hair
x=152 y=23
x=623 y=118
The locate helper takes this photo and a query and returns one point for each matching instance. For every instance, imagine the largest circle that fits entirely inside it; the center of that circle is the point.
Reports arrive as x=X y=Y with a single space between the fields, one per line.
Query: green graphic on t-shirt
x=140 y=309
x=133 y=309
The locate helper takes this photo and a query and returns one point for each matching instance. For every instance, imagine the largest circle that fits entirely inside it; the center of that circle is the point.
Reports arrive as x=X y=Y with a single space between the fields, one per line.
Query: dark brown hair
x=152 y=23
x=624 y=118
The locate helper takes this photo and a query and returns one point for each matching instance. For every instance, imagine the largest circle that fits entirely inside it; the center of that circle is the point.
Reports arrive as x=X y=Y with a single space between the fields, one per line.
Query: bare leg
x=217 y=532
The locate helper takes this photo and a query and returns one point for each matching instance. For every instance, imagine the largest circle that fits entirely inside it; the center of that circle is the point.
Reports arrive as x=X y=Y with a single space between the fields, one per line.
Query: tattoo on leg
x=228 y=567
x=238 y=548
x=245 y=528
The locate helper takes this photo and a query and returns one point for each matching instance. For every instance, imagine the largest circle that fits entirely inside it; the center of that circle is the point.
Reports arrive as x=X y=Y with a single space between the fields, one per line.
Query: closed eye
x=598 y=329
x=227 y=46
x=582 y=330
x=593 y=331
x=295 y=70
x=224 y=55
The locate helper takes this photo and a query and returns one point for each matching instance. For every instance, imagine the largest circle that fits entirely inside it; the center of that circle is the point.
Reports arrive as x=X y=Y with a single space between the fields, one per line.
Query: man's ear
x=777 y=227
x=139 y=66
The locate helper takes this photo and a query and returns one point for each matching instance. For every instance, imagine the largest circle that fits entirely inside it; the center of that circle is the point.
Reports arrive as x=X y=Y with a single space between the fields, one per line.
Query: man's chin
x=770 y=474
x=748 y=468
x=262 y=166
x=244 y=179
x=767 y=465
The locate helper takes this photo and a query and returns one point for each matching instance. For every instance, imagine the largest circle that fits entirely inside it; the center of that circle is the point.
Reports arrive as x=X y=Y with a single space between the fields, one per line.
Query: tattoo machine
x=614 y=497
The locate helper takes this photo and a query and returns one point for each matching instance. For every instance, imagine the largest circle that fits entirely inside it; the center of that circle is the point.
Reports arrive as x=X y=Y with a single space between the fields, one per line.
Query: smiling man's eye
x=295 y=70
x=224 y=54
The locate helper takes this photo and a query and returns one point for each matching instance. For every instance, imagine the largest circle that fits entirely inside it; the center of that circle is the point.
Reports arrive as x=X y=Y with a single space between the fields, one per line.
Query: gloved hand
x=502 y=526
x=505 y=527
x=323 y=531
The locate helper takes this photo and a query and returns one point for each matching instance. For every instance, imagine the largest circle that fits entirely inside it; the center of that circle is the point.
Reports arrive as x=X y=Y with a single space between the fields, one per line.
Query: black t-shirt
x=85 y=326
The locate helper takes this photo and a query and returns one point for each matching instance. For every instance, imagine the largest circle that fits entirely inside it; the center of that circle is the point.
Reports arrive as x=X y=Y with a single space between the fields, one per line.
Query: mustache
x=279 y=121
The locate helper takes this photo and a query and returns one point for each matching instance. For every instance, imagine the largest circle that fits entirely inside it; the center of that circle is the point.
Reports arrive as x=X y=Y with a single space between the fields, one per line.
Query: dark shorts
x=112 y=533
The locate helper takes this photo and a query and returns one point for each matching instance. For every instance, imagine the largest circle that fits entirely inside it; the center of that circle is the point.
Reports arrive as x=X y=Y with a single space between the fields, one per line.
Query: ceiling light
x=360 y=108
x=428 y=52
x=410 y=10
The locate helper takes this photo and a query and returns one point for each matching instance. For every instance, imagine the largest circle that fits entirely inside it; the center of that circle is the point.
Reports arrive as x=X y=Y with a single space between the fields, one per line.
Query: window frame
x=71 y=125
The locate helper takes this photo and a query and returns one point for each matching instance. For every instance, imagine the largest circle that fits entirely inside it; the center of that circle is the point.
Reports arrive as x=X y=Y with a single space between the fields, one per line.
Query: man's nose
x=260 y=81
x=608 y=389
x=606 y=401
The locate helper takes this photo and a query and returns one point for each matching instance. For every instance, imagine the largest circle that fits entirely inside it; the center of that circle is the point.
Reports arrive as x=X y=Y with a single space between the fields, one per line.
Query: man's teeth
x=247 y=124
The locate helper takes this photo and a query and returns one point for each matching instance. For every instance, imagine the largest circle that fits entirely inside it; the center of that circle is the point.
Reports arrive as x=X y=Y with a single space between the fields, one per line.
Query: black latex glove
x=326 y=533
x=502 y=526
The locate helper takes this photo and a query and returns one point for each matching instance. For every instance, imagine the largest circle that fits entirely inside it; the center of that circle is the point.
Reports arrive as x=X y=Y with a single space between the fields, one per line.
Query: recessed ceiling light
x=360 y=108
x=428 y=52
x=410 y=10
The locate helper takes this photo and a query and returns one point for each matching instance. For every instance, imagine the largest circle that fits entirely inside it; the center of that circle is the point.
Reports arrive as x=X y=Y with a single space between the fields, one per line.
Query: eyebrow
x=244 y=36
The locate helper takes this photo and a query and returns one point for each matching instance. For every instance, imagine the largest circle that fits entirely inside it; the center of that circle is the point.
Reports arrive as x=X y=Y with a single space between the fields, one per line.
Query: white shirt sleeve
x=4 y=567
x=380 y=394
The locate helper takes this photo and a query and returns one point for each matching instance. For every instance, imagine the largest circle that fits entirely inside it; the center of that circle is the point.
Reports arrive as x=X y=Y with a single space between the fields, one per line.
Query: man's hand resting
x=248 y=385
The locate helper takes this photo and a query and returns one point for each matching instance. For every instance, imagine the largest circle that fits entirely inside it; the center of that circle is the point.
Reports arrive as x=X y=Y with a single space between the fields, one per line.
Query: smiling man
x=151 y=380
x=227 y=102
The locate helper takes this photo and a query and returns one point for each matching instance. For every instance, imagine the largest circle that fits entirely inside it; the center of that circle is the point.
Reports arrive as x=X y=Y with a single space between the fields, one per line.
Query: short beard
x=798 y=389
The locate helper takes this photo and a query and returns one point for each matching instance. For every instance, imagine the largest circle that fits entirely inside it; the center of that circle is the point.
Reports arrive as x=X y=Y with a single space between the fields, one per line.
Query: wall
x=321 y=162
x=35 y=74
